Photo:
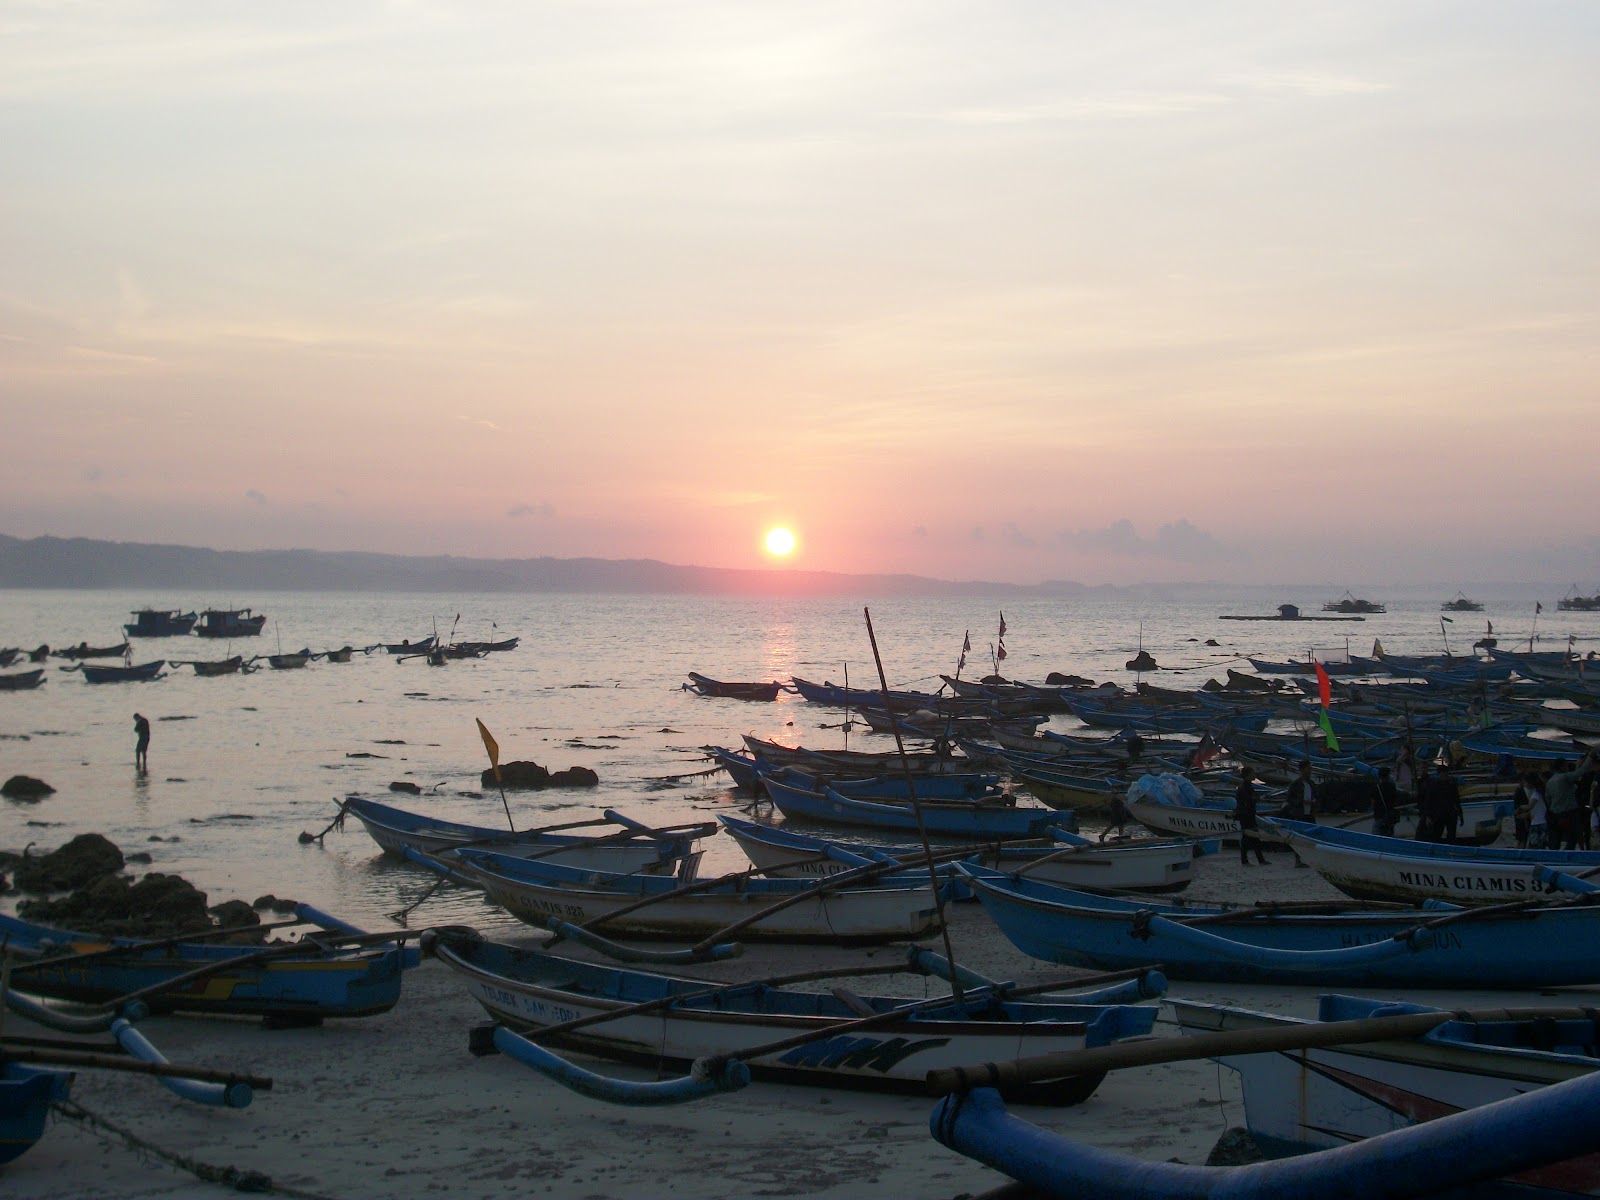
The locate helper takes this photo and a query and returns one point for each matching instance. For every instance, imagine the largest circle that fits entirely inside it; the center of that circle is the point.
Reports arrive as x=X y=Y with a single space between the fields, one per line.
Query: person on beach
x=1385 y=803
x=1300 y=801
x=1441 y=806
x=141 y=747
x=1561 y=803
x=1244 y=811
x=1120 y=816
x=1405 y=770
x=1535 y=814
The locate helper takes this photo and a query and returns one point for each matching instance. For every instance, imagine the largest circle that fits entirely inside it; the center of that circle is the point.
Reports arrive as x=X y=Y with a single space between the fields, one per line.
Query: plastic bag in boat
x=1164 y=788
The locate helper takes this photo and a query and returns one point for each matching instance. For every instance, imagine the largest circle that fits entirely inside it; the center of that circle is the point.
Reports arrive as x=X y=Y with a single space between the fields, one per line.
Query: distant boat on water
x=1348 y=603
x=1286 y=612
x=155 y=622
x=1461 y=604
x=1572 y=602
x=230 y=623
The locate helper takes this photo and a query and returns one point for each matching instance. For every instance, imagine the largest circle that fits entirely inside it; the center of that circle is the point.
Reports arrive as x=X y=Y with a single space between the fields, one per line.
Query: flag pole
x=1538 y=607
x=493 y=747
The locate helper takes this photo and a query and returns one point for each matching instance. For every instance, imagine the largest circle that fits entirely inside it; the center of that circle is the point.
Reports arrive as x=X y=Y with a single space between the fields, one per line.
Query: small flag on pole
x=966 y=642
x=1001 y=653
x=1002 y=624
x=1538 y=608
x=493 y=747
x=1325 y=694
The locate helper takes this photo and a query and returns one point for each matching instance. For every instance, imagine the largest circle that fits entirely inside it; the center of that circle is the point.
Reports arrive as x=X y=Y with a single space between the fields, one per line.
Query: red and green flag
x=1325 y=693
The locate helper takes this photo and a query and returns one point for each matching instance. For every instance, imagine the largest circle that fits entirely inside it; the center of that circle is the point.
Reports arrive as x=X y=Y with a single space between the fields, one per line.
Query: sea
x=240 y=766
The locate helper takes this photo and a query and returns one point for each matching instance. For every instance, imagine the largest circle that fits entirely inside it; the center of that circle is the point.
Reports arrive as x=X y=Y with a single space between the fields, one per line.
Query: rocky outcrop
x=84 y=859
x=530 y=775
x=25 y=787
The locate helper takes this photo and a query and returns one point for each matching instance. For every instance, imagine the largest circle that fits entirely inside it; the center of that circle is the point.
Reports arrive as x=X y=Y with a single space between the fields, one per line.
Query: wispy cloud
x=487 y=424
x=1180 y=541
x=545 y=509
x=256 y=497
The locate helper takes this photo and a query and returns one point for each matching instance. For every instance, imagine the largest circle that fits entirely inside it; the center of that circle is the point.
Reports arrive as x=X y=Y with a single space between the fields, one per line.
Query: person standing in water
x=141 y=748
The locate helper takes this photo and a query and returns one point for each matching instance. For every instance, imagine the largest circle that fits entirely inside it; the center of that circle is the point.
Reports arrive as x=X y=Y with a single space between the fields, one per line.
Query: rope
x=239 y=1179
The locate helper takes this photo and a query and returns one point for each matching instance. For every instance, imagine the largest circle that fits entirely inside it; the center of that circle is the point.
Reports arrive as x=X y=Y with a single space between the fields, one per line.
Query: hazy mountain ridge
x=53 y=562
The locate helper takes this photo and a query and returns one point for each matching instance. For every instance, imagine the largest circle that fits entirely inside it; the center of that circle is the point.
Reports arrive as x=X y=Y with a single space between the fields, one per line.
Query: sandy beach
x=396 y=1106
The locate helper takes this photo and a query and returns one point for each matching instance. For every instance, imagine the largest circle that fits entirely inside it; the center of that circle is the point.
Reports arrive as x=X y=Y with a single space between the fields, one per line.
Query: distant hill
x=51 y=562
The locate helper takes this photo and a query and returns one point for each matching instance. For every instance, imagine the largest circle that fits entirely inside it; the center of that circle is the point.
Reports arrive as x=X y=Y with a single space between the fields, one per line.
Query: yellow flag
x=1377 y=648
x=493 y=747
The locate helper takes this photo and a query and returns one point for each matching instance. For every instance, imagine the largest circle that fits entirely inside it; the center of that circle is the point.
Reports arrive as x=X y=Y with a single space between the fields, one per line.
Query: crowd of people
x=1559 y=809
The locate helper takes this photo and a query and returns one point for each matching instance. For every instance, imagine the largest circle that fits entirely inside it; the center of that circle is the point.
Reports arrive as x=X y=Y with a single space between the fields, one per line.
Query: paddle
x=1136 y=1052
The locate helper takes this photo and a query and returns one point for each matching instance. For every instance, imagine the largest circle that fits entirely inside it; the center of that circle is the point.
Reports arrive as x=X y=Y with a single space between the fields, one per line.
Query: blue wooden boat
x=1543 y=944
x=855 y=764
x=949 y=818
x=539 y=891
x=26 y=1094
x=1142 y=865
x=1530 y=1146
x=230 y=623
x=154 y=623
x=303 y=980
x=142 y=673
x=630 y=846
x=670 y=1023
x=84 y=650
x=1369 y=867
x=1321 y=1097
x=972 y=787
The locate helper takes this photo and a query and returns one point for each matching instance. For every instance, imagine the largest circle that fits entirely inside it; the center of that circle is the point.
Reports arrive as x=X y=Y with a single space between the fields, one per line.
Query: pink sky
x=1012 y=292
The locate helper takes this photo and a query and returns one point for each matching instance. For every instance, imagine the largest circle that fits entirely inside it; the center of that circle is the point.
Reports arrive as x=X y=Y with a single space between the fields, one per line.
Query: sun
x=779 y=543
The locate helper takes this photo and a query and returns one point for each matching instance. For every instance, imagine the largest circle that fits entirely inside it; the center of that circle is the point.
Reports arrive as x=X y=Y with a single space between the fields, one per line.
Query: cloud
x=1179 y=541
x=545 y=509
x=255 y=497
x=479 y=421
x=919 y=531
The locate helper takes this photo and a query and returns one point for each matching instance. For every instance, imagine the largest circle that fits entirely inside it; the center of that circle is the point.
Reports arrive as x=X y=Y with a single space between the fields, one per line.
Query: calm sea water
x=240 y=765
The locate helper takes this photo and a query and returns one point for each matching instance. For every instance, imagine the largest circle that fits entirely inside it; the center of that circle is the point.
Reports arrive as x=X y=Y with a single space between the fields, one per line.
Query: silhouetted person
x=1441 y=805
x=1300 y=800
x=1244 y=811
x=1385 y=804
x=141 y=748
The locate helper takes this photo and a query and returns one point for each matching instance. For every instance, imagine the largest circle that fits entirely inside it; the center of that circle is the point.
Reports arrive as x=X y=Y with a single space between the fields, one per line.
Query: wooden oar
x=1136 y=1052
x=16 y=1052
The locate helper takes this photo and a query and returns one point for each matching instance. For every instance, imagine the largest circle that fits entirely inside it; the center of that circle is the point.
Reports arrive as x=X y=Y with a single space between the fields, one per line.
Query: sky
x=1245 y=292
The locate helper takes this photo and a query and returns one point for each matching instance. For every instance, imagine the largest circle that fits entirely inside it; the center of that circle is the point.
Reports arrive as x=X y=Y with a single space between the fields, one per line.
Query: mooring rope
x=237 y=1178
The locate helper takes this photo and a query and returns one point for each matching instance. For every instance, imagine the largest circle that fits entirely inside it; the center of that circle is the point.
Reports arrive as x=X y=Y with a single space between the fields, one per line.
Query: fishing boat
x=1535 y=1146
x=142 y=673
x=335 y=971
x=1349 y=603
x=225 y=666
x=948 y=818
x=156 y=623
x=704 y=685
x=1206 y=817
x=26 y=1096
x=1312 y=1099
x=1144 y=865
x=854 y=763
x=420 y=646
x=1461 y=604
x=686 y=910
x=230 y=623
x=293 y=661
x=22 y=681
x=84 y=650
x=1369 y=867
x=973 y=787
x=341 y=655
x=1573 y=601
x=632 y=847
x=1540 y=944
x=836 y=1039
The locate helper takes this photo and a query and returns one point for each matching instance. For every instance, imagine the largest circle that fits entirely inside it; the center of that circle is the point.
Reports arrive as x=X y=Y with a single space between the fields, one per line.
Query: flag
x=493 y=747
x=1001 y=654
x=1002 y=624
x=1324 y=685
x=1447 y=620
x=1205 y=751
x=1490 y=624
x=1327 y=728
x=966 y=642
x=1537 y=608
x=1377 y=648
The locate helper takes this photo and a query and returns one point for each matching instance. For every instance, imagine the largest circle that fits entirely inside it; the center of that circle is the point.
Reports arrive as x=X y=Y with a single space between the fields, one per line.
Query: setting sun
x=780 y=543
